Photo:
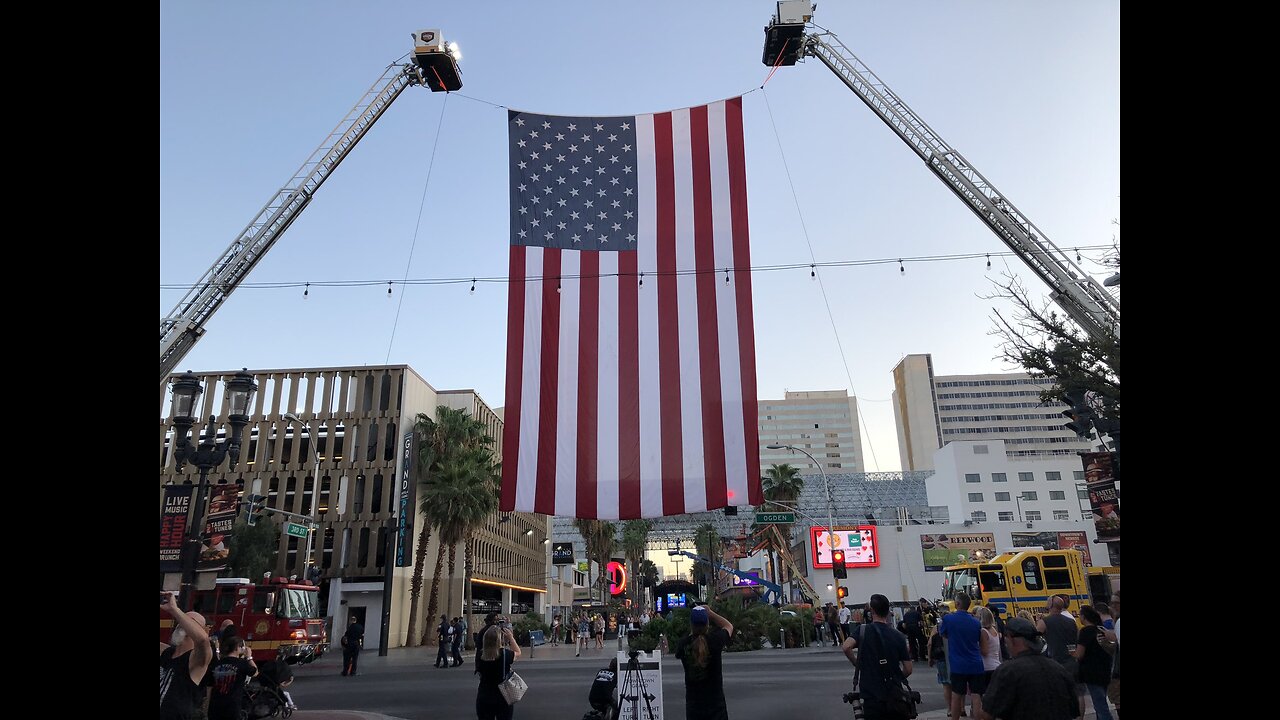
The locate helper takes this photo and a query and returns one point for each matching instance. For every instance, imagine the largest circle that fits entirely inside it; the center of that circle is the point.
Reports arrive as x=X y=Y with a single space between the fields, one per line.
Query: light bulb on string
x=641 y=279
x=988 y=261
x=813 y=272
x=306 y=290
x=388 y=289
x=902 y=269
x=1078 y=255
x=726 y=276
x=557 y=285
x=473 y=286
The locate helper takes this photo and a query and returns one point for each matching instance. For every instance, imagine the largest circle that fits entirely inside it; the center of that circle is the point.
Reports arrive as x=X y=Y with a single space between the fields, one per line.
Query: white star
x=546 y=168
x=600 y=148
x=559 y=158
x=561 y=202
x=534 y=199
x=546 y=125
x=533 y=133
x=615 y=204
x=572 y=127
x=573 y=192
x=586 y=158
x=631 y=238
x=626 y=169
x=533 y=156
x=520 y=143
x=524 y=211
x=586 y=138
x=627 y=192
x=559 y=136
x=546 y=146
x=626 y=148
x=524 y=234
x=586 y=181
x=590 y=227
x=630 y=215
x=573 y=148
x=547 y=212
x=600 y=170
x=522 y=187
x=590 y=204
x=603 y=215
x=534 y=222
x=560 y=180
x=604 y=239
x=613 y=158
x=533 y=178
x=599 y=127
x=617 y=226
x=573 y=215
x=613 y=138
x=573 y=169
x=523 y=165
x=577 y=238
x=626 y=126
x=520 y=121
x=561 y=225
x=613 y=181
x=549 y=235
x=600 y=192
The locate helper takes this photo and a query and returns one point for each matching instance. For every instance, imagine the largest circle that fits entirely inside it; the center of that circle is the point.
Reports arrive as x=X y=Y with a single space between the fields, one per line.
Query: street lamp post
x=208 y=455
x=307 y=563
x=831 y=523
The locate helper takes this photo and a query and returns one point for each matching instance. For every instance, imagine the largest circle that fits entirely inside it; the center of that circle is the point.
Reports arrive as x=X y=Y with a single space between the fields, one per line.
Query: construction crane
x=789 y=39
x=772 y=592
x=434 y=65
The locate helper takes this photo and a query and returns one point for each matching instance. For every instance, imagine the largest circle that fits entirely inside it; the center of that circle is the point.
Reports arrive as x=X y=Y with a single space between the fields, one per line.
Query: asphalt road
x=793 y=683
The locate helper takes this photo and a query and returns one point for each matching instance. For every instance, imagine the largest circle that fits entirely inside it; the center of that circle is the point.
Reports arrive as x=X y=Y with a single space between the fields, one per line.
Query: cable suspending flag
x=631 y=380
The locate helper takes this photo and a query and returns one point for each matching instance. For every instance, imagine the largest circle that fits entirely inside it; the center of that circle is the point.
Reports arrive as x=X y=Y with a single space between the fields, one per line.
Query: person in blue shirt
x=965 y=641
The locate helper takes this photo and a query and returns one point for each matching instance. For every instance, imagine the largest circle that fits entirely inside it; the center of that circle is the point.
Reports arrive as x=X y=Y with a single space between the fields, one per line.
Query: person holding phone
x=700 y=652
x=230 y=673
x=498 y=652
x=183 y=661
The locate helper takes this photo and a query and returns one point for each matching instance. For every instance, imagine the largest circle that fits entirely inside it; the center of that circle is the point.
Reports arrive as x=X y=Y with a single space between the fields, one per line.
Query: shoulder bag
x=514 y=686
x=900 y=699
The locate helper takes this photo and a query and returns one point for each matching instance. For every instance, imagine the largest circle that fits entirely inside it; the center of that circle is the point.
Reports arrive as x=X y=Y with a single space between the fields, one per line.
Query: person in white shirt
x=845 y=614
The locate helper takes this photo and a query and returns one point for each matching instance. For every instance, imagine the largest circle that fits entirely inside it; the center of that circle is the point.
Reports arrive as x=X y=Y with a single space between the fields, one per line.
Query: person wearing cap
x=1029 y=686
x=700 y=652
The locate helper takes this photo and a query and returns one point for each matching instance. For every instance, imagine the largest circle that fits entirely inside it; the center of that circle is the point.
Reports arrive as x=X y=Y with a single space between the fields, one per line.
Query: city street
x=803 y=682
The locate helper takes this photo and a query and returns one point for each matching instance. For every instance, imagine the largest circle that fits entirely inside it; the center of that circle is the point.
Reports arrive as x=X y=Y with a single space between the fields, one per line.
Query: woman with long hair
x=700 y=652
x=498 y=651
x=989 y=643
x=1095 y=663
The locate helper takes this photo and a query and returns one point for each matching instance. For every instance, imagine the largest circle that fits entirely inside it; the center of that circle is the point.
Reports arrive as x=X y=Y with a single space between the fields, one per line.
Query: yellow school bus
x=1025 y=579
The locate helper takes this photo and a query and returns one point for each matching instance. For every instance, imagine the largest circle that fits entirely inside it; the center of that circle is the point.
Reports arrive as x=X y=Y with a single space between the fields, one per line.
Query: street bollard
x=782 y=638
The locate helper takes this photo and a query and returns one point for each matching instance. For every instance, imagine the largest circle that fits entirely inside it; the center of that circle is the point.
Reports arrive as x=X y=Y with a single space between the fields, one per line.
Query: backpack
x=936 y=650
x=900 y=700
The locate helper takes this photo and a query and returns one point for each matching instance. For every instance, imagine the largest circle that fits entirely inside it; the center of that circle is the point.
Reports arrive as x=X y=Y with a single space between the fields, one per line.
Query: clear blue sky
x=1028 y=92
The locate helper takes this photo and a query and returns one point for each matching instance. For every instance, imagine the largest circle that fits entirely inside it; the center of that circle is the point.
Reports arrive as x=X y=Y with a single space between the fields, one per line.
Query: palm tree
x=600 y=537
x=647 y=577
x=466 y=495
x=588 y=528
x=443 y=439
x=635 y=538
x=706 y=541
x=782 y=484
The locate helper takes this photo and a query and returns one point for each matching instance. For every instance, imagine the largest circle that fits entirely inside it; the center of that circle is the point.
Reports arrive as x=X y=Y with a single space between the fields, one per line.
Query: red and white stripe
x=627 y=400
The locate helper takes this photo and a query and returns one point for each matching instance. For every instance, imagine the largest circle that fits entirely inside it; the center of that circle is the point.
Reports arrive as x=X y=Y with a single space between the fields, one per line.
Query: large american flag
x=631 y=379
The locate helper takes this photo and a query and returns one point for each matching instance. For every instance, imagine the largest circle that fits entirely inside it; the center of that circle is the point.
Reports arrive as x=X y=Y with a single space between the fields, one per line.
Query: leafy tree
x=252 y=549
x=635 y=539
x=782 y=484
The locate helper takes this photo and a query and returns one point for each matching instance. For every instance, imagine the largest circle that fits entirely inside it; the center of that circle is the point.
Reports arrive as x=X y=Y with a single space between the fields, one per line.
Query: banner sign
x=859 y=545
x=408 y=503
x=955 y=548
x=224 y=505
x=562 y=554
x=1074 y=540
x=1104 y=496
x=173 y=525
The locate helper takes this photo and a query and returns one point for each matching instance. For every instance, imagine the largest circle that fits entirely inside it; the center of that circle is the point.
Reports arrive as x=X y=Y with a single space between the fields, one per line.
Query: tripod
x=633 y=688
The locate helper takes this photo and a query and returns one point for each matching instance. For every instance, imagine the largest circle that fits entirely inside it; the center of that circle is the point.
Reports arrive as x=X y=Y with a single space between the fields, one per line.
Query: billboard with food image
x=954 y=548
x=224 y=504
x=1104 y=496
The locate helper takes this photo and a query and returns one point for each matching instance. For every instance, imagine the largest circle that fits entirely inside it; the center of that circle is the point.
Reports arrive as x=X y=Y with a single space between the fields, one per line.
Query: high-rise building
x=932 y=411
x=822 y=422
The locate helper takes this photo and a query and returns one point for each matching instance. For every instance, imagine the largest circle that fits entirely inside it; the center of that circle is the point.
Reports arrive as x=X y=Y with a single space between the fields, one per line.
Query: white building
x=823 y=422
x=932 y=411
x=979 y=483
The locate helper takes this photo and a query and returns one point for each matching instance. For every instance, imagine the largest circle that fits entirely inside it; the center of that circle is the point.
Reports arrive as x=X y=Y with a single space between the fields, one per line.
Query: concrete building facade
x=978 y=482
x=823 y=422
x=932 y=411
x=343 y=463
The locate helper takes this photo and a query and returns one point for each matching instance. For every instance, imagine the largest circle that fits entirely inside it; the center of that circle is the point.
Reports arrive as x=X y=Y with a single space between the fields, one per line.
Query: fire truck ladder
x=785 y=553
x=1082 y=297
x=186 y=322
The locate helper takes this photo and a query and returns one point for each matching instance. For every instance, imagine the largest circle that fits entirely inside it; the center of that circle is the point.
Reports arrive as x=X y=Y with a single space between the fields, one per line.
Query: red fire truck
x=278 y=620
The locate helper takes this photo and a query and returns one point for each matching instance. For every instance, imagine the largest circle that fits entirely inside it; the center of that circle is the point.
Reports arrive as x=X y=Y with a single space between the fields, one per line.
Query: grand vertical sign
x=173 y=525
x=1104 y=497
x=408 y=504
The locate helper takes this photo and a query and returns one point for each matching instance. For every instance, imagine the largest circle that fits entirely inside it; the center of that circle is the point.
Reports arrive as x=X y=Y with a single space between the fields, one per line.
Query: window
x=1082 y=494
x=1030 y=495
x=975 y=497
x=1006 y=517
x=1002 y=497
x=1026 y=477
x=1052 y=475
x=972 y=477
x=1033 y=515
x=1031 y=574
x=1077 y=475
x=1057 y=494
x=999 y=477
x=1061 y=515
x=980 y=450
x=978 y=516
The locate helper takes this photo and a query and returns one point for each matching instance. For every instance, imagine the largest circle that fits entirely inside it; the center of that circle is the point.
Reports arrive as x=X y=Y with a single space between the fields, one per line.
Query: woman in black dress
x=498 y=651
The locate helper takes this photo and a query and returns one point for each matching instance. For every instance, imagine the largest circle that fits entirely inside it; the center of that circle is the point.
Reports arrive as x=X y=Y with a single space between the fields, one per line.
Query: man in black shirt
x=1029 y=686
x=700 y=652
x=352 y=641
x=228 y=675
x=603 y=687
x=913 y=626
x=876 y=659
x=183 y=661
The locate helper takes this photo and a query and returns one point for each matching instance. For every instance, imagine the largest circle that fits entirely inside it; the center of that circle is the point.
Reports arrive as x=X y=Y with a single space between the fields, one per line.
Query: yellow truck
x=1024 y=579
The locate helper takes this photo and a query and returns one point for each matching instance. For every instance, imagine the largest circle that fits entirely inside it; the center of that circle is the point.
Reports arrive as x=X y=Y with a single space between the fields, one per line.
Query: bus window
x=1031 y=574
x=993 y=581
x=1058 y=579
x=957 y=581
x=1055 y=561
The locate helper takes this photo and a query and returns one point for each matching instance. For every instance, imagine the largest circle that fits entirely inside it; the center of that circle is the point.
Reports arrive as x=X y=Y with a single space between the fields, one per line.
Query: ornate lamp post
x=208 y=455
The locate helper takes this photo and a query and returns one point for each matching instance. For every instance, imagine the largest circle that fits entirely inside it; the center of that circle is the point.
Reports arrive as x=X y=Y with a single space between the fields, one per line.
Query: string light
x=306 y=291
x=473 y=286
x=988 y=262
x=641 y=279
x=813 y=273
x=902 y=269
x=557 y=285
x=388 y=289
x=726 y=276
x=1077 y=254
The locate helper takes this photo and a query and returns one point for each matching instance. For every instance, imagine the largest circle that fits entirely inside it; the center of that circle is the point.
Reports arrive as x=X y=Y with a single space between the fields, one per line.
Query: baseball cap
x=698 y=616
x=1024 y=628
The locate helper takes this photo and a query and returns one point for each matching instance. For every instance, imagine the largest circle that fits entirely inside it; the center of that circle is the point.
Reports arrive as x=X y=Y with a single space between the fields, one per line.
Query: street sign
x=776 y=517
x=296 y=530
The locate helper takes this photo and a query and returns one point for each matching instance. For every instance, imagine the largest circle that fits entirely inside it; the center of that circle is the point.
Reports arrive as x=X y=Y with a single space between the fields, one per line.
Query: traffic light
x=254 y=507
x=842 y=592
x=838 y=568
x=1080 y=414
